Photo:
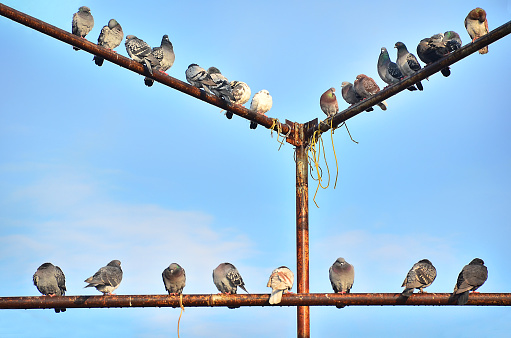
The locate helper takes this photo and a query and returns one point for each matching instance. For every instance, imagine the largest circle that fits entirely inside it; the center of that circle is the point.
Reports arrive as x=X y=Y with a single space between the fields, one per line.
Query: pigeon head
x=361 y=76
x=174 y=267
x=213 y=70
x=425 y=261
x=331 y=92
x=283 y=267
x=115 y=263
x=345 y=83
x=193 y=65
x=340 y=260
x=476 y=261
x=437 y=37
x=477 y=14
x=400 y=46
x=129 y=37
x=87 y=9
x=112 y=23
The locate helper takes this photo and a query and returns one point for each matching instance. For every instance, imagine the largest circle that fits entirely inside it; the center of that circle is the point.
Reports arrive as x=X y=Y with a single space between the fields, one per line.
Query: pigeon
x=198 y=77
x=82 y=23
x=281 y=280
x=141 y=52
x=174 y=279
x=241 y=92
x=110 y=37
x=106 y=279
x=367 y=87
x=342 y=276
x=261 y=104
x=433 y=49
x=452 y=41
x=388 y=70
x=470 y=278
x=221 y=87
x=165 y=56
x=328 y=102
x=227 y=279
x=420 y=276
x=477 y=26
x=350 y=95
x=407 y=62
x=50 y=281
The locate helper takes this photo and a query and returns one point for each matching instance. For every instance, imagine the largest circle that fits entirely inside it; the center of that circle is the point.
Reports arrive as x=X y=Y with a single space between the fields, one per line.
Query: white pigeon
x=261 y=104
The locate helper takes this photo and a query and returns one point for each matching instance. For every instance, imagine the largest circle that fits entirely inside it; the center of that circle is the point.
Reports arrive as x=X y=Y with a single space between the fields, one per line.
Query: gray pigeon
x=106 y=279
x=241 y=92
x=470 y=278
x=342 y=276
x=281 y=280
x=420 y=276
x=165 y=56
x=174 y=279
x=227 y=278
x=50 y=281
x=110 y=37
x=407 y=62
x=366 y=87
x=350 y=95
x=388 y=70
x=433 y=49
x=222 y=87
x=198 y=77
x=82 y=23
x=141 y=52
x=452 y=41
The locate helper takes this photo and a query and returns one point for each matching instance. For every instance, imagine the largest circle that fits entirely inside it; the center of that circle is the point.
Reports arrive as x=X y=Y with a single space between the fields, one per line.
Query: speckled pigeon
x=342 y=276
x=165 y=56
x=350 y=95
x=261 y=104
x=477 y=26
x=470 y=278
x=141 y=52
x=174 y=279
x=420 y=276
x=281 y=280
x=388 y=70
x=367 y=87
x=328 y=102
x=106 y=279
x=198 y=77
x=222 y=87
x=50 y=281
x=82 y=23
x=241 y=92
x=433 y=49
x=227 y=279
x=407 y=62
x=110 y=37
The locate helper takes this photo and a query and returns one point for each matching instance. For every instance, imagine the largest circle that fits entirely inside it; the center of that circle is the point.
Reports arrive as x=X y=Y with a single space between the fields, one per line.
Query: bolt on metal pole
x=302 y=232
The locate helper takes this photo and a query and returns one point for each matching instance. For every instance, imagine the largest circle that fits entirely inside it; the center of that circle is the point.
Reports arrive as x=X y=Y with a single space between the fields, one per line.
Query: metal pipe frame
x=222 y=300
x=136 y=67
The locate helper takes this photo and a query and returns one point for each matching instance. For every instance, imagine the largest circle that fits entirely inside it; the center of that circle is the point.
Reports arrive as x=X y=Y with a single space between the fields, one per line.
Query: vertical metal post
x=302 y=232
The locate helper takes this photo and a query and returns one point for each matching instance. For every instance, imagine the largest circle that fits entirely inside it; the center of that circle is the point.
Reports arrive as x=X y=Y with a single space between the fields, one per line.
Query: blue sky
x=95 y=166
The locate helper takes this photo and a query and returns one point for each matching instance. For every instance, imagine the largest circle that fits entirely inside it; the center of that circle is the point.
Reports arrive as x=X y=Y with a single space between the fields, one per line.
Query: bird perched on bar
x=50 y=281
x=421 y=275
x=350 y=95
x=174 y=279
x=388 y=70
x=407 y=62
x=165 y=56
x=342 y=276
x=281 y=280
x=221 y=87
x=471 y=277
x=433 y=49
x=227 y=279
x=141 y=52
x=241 y=92
x=106 y=279
x=328 y=102
x=198 y=77
x=452 y=41
x=110 y=37
x=367 y=87
x=477 y=26
x=261 y=104
x=82 y=23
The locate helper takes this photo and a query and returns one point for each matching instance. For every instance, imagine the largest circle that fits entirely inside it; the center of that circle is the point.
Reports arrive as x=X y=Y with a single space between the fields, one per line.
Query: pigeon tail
x=276 y=296
x=253 y=125
x=382 y=105
x=446 y=71
x=483 y=50
x=148 y=81
x=407 y=292
x=463 y=298
x=419 y=86
x=411 y=88
x=228 y=114
x=98 y=60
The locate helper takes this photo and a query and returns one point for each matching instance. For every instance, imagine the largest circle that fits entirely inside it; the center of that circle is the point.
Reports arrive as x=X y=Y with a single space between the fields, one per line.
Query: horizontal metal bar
x=425 y=72
x=136 y=67
x=220 y=300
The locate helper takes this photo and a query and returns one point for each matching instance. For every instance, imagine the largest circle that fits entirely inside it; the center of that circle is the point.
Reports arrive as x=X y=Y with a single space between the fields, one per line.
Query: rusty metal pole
x=302 y=231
